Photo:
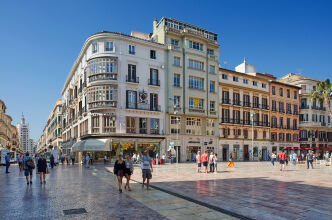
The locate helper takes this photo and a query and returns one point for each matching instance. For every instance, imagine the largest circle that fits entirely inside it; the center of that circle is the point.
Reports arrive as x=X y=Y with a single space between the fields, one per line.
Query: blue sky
x=40 y=40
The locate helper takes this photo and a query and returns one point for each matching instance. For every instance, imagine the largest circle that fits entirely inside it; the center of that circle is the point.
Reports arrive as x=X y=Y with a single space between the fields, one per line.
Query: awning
x=92 y=145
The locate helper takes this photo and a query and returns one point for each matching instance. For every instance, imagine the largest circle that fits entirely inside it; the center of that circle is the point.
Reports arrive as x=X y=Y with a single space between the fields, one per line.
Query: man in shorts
x=205 y=159
x=282 y=159
x=146 y=169
x=27 y=169
x=199 y=161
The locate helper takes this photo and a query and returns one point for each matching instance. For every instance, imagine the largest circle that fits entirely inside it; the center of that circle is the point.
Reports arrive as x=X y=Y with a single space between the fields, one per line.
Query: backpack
x=30 y=164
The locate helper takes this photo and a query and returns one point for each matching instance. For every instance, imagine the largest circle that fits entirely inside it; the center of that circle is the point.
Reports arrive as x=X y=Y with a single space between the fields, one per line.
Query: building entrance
x=245 y=152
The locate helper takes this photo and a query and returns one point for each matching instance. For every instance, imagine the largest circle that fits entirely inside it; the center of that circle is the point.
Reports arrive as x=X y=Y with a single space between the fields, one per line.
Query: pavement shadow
x=256 y=198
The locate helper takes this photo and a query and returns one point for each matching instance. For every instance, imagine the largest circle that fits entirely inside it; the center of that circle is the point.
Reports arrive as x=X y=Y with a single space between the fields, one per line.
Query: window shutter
x=127 y=92
x=239 y=131
x=151 y=80
x=151 y=101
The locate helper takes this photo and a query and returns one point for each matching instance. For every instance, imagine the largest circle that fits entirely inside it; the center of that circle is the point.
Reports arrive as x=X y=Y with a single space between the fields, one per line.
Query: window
x=264 y=85
x=196 y=64
x=212 y=106
x=193 y=121
x=153 y=54
x=143 y=125
x=109 y=124
x=94 y=47
x=196 y=83
x=109 y=46
x=295 y=94
x=281 y=92
x=174 y=42
x=235 y=78
x=176 y=80
x=281 y=137
x=154 y=77
x=176 y=100
x=210 y=51
x=175 y=120
x=254 y=83
x=212 y=86
x=273 y=90
x=288 y=93
x=295 y=137
x=195 y=45
x=245 y=81
x=281 y=122
x=132 y=49
x=95 y=124
x=224 y=76
x=130 y=123
x=106 y=66
x=132 y=99
x=154 y=102
x=196 y=103
x=131 y=73
x=295 y=110
x=288 y=108
x=99 y=96
x=295 y=124
x=212 y=69
x=176 y=61
x=288 y=123
x=154 y=126
x=281 y=107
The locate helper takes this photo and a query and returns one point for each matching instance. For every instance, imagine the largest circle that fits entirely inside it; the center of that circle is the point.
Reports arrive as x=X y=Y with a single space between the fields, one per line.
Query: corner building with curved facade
x=114 y=96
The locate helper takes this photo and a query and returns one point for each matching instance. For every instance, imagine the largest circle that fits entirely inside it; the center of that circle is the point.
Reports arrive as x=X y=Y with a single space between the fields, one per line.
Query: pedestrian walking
x=20 y=163
x=211 y=162
x=119 y=170
x=282 y=158
x=134 y=158
x=199 y=161
x=157 y=158
x=68 y=159
x=205 y=159
x=310 y=159
x=327 y=159
x=163 y=158
x=230 y=161
x=62 y=158
x=7 y=160
x=294 y=157
x=129 y=171
x=29 y=165
x=273 y=158
x=105 y=159
x=52 y=161
x=216 y=163
x=37 y=158
x=42 y=168
x=87 y=161
x=147 y=169
x=72 y=156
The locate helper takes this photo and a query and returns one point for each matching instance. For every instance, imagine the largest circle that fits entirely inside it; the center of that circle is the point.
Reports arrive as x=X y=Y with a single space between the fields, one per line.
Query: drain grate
x=74 y=211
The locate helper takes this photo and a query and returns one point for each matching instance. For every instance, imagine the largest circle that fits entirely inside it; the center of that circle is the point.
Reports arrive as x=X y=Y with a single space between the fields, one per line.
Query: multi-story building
x=24 y=135
x=51 y=137
x=114 y=95
x=284 y=104
x=192 y=61
x=315 y=123
x=8 y=132
x=244 y=113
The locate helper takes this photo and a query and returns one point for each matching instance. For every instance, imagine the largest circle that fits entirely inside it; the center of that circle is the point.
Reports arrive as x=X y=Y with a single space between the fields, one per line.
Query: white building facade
x=114 y=98
x=24 y=136
x=192 y=62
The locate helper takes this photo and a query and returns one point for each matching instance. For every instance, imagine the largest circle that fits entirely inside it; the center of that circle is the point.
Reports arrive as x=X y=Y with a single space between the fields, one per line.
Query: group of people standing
x=125 y=168
x=207 y=161
x=283 y=159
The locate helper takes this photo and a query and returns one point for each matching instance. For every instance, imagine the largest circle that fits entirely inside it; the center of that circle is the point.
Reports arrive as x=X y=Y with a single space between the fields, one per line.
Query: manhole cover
x=74 y=211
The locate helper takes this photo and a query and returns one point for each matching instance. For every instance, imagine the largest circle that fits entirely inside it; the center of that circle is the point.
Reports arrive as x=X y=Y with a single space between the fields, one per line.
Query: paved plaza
x=250 y=190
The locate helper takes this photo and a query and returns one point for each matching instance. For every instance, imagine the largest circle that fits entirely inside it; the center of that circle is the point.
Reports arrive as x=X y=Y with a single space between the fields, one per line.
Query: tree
x=323 y=94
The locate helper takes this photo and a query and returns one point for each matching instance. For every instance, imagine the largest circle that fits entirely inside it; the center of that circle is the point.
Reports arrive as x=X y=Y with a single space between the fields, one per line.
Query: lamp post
x=177 y=134
x=252 y=133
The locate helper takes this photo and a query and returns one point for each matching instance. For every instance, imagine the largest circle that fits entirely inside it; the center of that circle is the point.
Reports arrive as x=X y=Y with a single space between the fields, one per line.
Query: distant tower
x=24 y=135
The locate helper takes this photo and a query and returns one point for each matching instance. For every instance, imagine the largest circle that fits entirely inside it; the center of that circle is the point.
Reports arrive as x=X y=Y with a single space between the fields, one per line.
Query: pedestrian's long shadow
x=256 y=197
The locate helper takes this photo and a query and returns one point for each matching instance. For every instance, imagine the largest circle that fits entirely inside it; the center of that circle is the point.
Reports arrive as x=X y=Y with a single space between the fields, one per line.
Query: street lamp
x=252 y=133
x=177 y=133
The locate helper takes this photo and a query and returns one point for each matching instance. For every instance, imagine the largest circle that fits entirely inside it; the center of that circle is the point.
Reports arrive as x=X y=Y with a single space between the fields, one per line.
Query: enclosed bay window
x=95 y=124
x=102 y=96
x=102 y=69
x=109 y=123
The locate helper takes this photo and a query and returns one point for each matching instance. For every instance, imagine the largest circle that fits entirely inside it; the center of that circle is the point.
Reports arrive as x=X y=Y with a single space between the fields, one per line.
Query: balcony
x=226 y=101
x=255 y=105
x=102 y=104
x=236 y=102
x=310 y=123
x=196 y=110
x=246 y=104
x=281 y=110
x=103 y=76
x=295 y=113
x=144 y=107
x=265 y=106
x=154 y=82
x=274 y=109
x=132 y=79
x=237 y=121
x=304 y=106
x=213 y=112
